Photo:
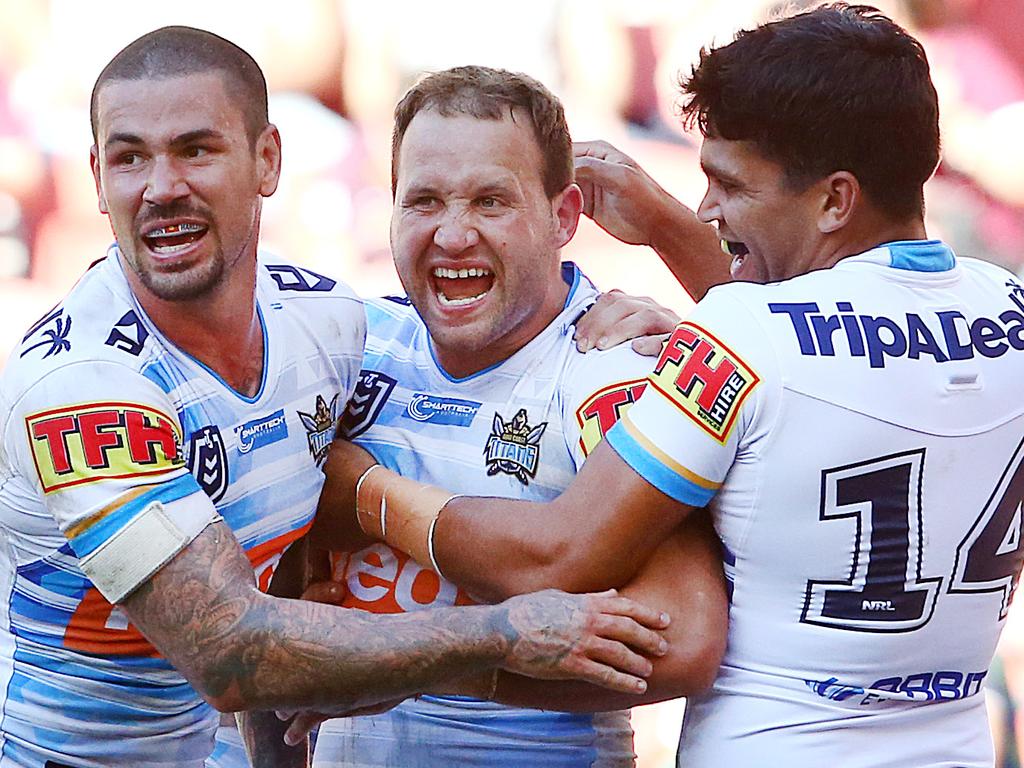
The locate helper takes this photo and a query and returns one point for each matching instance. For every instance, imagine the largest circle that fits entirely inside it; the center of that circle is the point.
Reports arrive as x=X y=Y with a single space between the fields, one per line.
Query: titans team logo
x=208 y=461
x=514 y=447
x=320 y=427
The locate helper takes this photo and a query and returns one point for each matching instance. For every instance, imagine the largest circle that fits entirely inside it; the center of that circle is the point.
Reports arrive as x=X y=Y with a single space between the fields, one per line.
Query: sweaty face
x=181 y=184
x=475 y=238
x=768 y=229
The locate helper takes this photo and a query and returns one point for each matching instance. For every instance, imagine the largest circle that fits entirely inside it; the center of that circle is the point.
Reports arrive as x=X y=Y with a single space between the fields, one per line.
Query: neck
x=220 y=329
x=868 y=233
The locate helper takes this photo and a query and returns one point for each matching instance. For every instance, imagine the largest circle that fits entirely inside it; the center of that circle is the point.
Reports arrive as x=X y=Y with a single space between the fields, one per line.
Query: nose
x=165 y=182
x=455 y=233
x=708 y=211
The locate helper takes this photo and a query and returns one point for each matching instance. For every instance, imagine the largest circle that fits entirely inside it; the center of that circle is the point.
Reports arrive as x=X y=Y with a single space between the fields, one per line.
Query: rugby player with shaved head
x=164 y=429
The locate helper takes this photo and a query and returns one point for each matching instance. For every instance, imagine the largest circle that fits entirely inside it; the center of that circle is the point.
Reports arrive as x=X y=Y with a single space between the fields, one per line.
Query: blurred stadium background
x=335 y=70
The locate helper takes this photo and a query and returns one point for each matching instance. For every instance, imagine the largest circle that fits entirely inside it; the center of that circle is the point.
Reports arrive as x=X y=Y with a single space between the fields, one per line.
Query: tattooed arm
x=684 y=574
x=263 y=733
x=242 y=649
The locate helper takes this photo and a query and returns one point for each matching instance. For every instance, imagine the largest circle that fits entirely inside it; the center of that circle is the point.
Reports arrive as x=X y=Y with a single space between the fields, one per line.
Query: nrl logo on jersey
x=372 y=391
x=320 y=427
x=514 y=447
x=208 y=461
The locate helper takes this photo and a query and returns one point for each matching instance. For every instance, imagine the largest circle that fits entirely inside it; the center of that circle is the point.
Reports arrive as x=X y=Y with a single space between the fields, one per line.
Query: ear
x=268 y=159
x=94 y=164
x=567 y=206
x=841 y=200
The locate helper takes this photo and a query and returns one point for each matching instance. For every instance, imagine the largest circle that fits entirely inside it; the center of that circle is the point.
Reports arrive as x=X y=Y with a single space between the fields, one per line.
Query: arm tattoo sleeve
x=245 y=650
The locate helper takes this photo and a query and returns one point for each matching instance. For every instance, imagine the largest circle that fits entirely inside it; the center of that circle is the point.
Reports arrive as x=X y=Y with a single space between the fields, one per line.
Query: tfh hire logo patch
x=94 y=441
x=601 y=410
x=704 y=378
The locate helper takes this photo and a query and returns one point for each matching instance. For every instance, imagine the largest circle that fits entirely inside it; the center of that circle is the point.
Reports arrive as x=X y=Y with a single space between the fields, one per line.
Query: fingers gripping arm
x=242 y=649
x=684 y=575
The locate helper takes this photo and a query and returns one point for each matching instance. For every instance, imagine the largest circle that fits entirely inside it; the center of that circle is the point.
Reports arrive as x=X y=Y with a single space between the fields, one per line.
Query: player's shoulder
x=394 y=330
x=287 y=282
x=605 y=366
x=322 y=309
x=96 y=327
x=987 y=274
x=735 y=314
x=390 y=315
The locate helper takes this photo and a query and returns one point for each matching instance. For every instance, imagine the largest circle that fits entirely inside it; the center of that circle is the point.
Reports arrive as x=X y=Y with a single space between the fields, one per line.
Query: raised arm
x=242 y=649
x=631 y=206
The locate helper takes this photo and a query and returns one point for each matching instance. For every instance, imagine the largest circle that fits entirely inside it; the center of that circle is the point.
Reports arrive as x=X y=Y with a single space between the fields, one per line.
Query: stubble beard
x=193 y=282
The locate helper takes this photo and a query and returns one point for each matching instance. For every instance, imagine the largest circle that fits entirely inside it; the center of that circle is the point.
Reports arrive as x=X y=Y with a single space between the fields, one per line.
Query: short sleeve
x=102 y=446
x=702 y=401
x=599 y=389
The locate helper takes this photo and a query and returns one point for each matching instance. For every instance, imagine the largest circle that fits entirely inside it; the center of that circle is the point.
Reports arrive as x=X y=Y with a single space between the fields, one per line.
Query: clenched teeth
x=452 y=274
x=444 y=301
x=176 y=229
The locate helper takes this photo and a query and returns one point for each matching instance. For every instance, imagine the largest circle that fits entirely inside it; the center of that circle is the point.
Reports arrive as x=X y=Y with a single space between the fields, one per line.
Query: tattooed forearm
x=245 y=650
x=242 y=649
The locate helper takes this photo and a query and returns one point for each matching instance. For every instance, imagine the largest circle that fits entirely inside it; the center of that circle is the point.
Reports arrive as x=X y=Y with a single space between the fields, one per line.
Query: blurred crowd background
x=335 y=70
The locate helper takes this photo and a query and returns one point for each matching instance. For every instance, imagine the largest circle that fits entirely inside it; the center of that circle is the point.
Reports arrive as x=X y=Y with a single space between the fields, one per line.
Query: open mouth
x=739 y=252
x=461 y=287
x=734 y=248
x=170 y=239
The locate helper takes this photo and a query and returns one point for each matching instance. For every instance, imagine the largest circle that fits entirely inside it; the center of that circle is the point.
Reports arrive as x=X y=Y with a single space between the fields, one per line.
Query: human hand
x=599 y=638
x=617 y=317
x=617 y=193
x=330 y=592
x=336 y=527
x=301 y=723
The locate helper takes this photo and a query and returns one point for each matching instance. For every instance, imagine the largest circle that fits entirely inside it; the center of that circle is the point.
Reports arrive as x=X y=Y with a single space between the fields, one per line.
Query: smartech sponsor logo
x=263 y=431
x=446 y=411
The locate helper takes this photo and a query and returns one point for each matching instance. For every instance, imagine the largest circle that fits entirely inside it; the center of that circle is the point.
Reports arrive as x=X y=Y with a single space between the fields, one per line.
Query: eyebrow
x=122 y=138
x=188 y=137
x=712 y=171
x=495 y=188
x=419 y=189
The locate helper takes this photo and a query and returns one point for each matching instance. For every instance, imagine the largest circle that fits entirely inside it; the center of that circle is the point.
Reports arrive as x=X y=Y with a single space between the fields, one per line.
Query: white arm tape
x=127 y=559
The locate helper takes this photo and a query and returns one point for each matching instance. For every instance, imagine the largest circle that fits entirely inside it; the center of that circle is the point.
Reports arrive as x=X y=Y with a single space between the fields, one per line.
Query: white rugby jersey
x=519 y=429
x=101 y=417
x=858 y=432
